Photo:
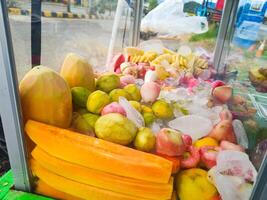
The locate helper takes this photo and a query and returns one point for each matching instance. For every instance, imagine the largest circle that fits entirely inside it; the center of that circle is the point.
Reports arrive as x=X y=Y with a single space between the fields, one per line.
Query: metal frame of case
x=10 y=103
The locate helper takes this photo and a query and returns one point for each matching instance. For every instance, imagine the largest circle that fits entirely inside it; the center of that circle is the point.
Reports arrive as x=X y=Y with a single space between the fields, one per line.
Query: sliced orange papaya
x=74 y=188
x=43 y=189
x=92 y=153
x=128 y=186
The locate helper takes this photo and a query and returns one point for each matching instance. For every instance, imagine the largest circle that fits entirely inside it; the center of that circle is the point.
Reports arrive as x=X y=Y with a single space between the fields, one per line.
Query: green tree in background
x=152 y=4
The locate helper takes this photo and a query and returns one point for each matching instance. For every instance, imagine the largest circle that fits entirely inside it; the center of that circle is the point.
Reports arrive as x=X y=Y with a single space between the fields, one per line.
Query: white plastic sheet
x=233 y=175
x=169 y=19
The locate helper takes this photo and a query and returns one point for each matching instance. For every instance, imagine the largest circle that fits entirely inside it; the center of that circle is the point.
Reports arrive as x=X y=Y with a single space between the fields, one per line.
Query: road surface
x=89 y=38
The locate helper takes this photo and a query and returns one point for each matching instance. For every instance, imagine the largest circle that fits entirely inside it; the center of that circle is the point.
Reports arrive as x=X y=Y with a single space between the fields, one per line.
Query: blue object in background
x=250 y=16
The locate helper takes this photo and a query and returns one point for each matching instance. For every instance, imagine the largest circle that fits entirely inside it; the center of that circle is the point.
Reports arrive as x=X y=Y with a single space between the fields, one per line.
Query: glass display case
x=198 y=67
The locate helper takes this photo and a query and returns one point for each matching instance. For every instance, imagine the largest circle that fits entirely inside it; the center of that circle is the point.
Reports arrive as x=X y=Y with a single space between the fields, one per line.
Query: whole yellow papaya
x=78 y=72
x=46 y=97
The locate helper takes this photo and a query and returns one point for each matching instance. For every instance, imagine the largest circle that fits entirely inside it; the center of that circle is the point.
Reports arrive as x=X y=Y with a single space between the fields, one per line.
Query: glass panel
x=82 y=27
x=170 y=87
x=247 y=58
x=192 y=23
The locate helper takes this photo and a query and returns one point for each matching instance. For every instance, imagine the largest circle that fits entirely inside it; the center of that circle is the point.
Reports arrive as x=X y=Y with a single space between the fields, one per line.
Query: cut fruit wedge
x=76 y=189
x=132 y=187
x=99 y=154
x=43 y=189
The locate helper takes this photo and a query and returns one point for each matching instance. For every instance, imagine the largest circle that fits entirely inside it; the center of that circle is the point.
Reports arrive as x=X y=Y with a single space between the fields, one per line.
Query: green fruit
x=80 y=96
x=149 y=118
x=97 y=101
x=90 y=119
x=108 y=82
x=82 y=111
x=116 y=93
x=136 y=105
x=145 y=140
x=133 y=91
x=80 y=124
x=162 y=110
x=115 y=128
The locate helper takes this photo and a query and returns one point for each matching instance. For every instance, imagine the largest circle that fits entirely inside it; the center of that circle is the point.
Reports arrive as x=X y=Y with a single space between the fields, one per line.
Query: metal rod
x=36 y=30
x=68 y=6
x=137 y=17
x=10 y=106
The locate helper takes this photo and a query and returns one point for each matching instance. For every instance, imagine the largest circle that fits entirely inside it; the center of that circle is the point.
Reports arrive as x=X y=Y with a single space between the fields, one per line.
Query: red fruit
x=208 y=156
x=169 y=142
x=193 y=82
x=217 y=197
x=116 y=62
x=217 y=83
x=113 y=108
x=226 y=115
x=141 y=70
x=187 y=140
x=118 y=71
x=225 y=145
x=223 y=131
x=152 y=68
x=126 y=80
x=190 y=158
x=223 y=93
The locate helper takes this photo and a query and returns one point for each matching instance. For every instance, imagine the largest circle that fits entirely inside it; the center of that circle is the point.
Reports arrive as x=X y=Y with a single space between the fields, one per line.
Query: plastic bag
x=132 y=113
x=233 y=175
x=169 y=19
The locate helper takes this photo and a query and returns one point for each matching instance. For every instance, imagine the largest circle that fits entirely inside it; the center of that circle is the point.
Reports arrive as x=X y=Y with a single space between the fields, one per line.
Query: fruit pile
x=258 y=78
x=134 y=133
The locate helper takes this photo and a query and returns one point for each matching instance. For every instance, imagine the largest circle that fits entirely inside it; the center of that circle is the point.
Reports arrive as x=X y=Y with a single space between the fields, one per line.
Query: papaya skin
x=78 y=72
x=46 y=97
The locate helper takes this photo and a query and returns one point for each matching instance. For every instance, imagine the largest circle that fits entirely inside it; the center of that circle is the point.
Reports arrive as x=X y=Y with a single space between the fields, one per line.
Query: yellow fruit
x=80 y=96
x=145 y=140
x=136 y=105
x=97 y=101
x=146 y=109
x=117 y=93
x=45 y=97
x=78 y=72
x=161 y=72
x=192 y=184
x=149 y=118
x=115 y=128
x=168 y=51
x=206 y=141
x=162 y=109
x=133 y=51
x=133 y=91
x=108 y=82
